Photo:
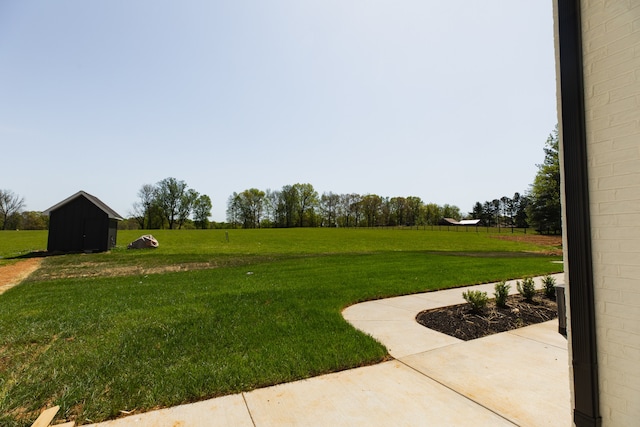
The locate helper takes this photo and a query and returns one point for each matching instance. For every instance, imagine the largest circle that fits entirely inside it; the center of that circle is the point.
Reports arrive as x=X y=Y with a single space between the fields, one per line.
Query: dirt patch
x=554 y=242
x=88 y=269
x=460 y=322
x=13 y=274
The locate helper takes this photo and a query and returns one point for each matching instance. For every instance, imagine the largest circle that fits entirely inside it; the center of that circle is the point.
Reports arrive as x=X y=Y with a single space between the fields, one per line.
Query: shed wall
x=80 y=226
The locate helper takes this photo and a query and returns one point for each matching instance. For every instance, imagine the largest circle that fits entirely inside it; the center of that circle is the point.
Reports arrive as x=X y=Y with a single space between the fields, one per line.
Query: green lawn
x=101 y=333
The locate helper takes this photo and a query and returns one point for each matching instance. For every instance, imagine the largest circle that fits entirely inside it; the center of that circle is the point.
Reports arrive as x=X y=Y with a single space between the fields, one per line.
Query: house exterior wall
x=611 y=69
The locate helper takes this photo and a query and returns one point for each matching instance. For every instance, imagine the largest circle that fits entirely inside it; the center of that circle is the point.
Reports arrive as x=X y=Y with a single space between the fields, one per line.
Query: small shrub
x=527 y=288
x=549 y=284
x=501 y=293
x=476 y=299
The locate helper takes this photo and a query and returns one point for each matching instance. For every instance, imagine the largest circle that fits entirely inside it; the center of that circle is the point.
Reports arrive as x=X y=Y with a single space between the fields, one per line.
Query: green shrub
x=527 y=288
x=501 y=293
x=477 y=299
x=549 y=285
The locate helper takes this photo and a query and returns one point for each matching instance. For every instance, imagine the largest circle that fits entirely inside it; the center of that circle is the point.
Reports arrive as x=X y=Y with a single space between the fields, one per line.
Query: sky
x=449 y=101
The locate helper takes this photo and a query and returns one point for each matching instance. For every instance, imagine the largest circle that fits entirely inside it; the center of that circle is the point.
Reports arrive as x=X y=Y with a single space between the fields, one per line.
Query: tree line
x=539 y=208
x=300 y=205
x=170 y=203
x=12 y=216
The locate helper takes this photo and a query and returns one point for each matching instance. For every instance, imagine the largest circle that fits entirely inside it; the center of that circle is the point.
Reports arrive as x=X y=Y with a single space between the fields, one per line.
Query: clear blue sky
x=450 y=101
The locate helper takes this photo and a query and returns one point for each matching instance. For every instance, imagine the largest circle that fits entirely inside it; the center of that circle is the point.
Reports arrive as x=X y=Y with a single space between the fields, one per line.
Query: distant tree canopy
x=503 y=212
x=540 y=208
x=544 y=209
x=11 y=205
x=170 y=204
x=299 y=205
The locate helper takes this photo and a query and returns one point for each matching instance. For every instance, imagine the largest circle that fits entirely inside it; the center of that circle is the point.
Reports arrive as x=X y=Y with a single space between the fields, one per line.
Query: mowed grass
x=261 y=308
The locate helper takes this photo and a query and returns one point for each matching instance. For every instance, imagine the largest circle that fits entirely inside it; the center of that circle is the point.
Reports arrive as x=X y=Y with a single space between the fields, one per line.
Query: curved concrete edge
x=521 y=375
x=392 y=321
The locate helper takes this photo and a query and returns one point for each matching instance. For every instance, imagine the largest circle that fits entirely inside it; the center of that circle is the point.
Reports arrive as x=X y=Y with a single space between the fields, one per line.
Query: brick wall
x=611 y=53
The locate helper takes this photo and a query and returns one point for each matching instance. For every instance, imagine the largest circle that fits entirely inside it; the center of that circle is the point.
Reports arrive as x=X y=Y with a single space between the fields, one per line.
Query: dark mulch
x=460 y=322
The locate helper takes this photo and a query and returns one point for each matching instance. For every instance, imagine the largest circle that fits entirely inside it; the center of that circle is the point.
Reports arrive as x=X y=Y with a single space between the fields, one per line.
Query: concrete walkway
x=513 y=378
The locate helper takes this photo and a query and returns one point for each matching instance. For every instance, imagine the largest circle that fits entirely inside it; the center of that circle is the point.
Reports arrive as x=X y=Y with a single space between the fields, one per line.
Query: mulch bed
x=462 y=323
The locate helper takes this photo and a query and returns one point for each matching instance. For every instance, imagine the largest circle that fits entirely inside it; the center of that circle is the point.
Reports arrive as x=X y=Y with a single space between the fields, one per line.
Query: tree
x=202 y=211
x=287 y=207
x=185 y=206
x=371 y=204
x=31 y=220
x=521 y=218
x=233 y=209
x=10 y=204
x=143 y=209
x=413 y=209
x=477 y=212
x=349 y=209
x=544 y=208
x=451 y=211
x=169 y=193
x=249 y=206
x=397 y=211
x=307 y=200
x=270 y=203
x=432 y=214
x=329 y=207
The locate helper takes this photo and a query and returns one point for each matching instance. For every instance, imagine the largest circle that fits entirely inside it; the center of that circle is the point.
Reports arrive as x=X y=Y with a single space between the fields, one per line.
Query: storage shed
x=82 y=223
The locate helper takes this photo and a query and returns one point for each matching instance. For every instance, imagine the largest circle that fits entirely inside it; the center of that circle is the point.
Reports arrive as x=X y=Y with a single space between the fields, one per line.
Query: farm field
x=215 y=312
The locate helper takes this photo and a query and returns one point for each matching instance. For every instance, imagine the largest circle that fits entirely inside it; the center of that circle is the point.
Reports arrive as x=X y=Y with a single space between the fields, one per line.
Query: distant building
x=463 y=222
x=82 y=223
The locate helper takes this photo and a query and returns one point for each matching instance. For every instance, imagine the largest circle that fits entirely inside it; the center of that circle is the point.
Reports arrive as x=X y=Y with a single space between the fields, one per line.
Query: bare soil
x=461 y=322
x=89 y=269
x=553 y=242
x=13 y=274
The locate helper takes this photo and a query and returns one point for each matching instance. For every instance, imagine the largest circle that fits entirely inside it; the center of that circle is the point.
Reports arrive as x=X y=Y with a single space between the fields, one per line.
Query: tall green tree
x=544 y=208
x=307 y=199
x=432 y=214
x=413 y=209
x=397 y=211
x=349 y=210
x=329 y=203
x=169 y=195
x=288 y=206
x=202 y=211
x=31 y=220
x=187 y=201
x=477 y=212
x=251 y=204
x=451 y=211
x=522 y=205
x=371 y=208
x=143 y=209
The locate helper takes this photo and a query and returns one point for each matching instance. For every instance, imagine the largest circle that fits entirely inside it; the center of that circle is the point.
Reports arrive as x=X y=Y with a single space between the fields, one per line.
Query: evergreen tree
x=544 y=198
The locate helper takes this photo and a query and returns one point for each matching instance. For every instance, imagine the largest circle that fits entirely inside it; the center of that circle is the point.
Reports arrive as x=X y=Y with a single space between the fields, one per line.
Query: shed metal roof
x=461 y=222
x=93 y=199
x=469 y=221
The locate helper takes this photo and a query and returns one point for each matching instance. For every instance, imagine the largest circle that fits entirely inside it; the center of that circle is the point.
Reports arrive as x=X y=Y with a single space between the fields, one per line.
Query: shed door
x=93 y=235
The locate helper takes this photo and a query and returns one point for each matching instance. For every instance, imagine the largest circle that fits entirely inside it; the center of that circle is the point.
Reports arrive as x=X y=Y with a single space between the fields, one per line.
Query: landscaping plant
x=476 y=299
x=527 y=288
x=549 y=286
x=501 y=293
